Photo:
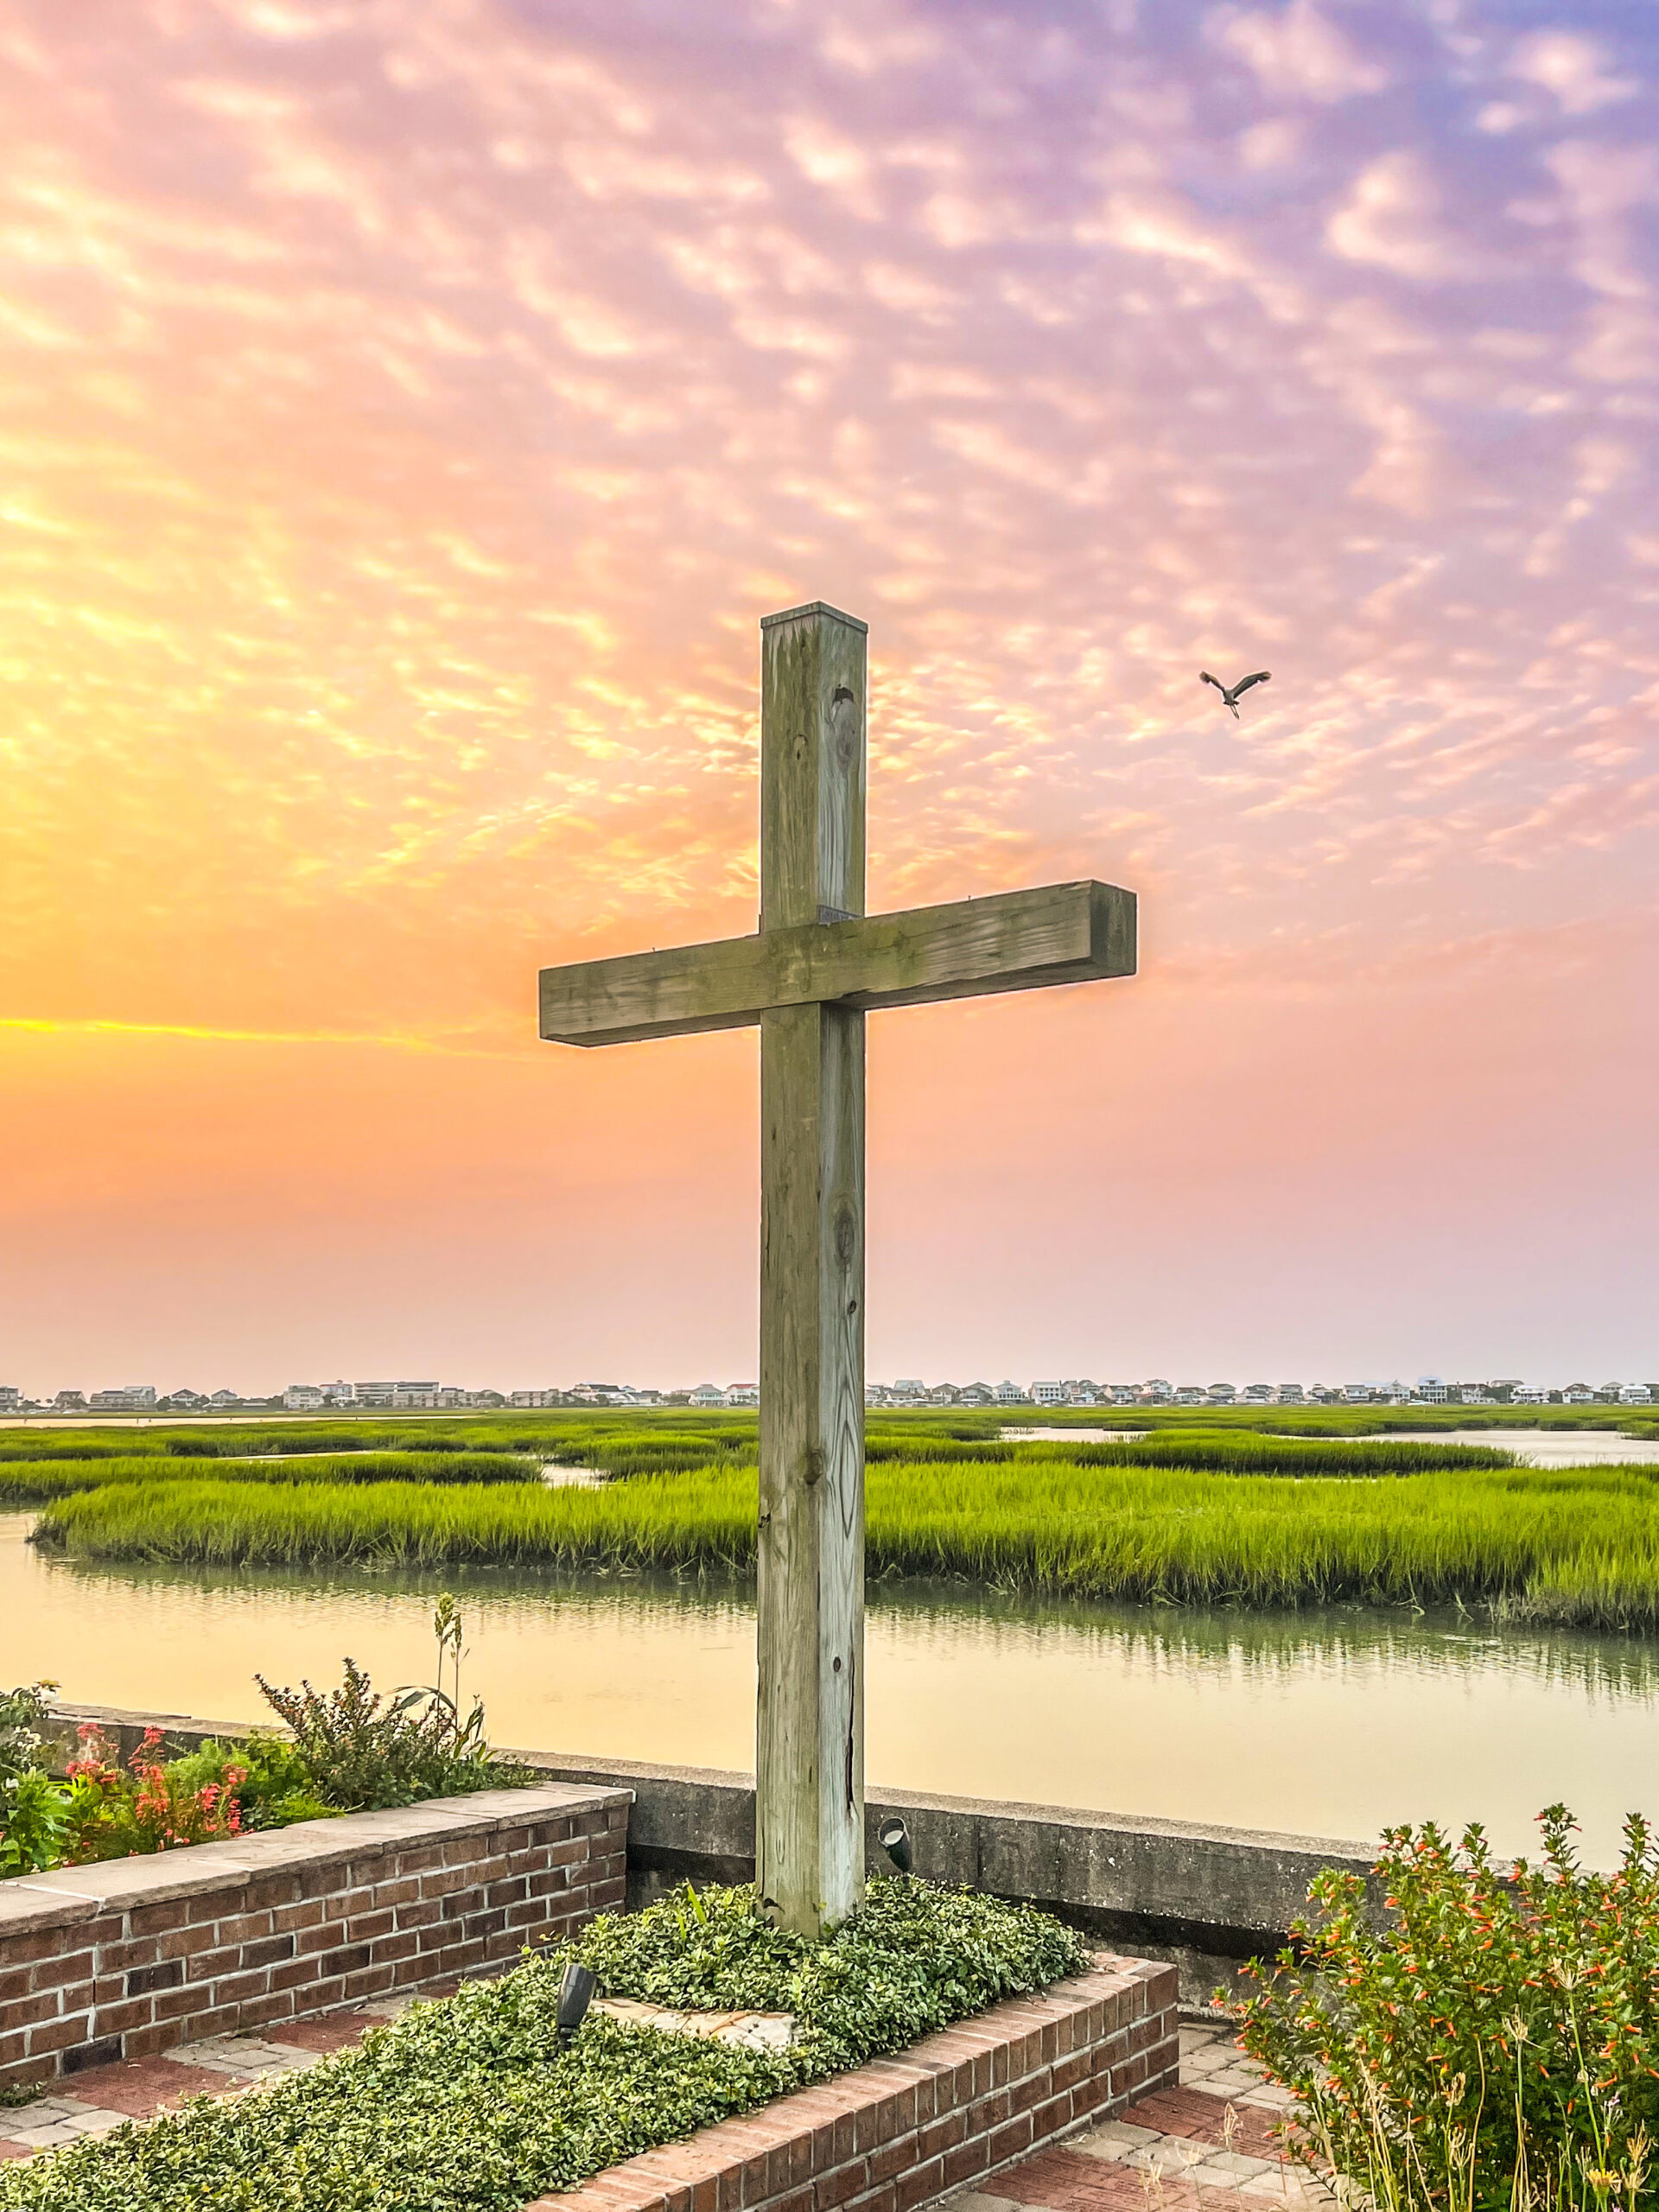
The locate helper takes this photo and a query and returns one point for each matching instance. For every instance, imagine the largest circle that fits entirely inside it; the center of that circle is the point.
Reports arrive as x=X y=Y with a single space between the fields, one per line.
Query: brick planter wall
x=126 y=1958
x=901 y=2132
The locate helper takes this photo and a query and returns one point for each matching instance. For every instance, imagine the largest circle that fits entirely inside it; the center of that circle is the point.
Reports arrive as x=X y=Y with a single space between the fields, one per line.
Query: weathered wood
x=812 y=754
x=810 y=1587
x=1015 y=941
x=810 y=1594
x=808 y=977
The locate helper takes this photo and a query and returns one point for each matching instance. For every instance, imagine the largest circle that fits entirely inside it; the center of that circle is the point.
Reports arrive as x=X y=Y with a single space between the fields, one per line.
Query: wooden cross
x=817 y=964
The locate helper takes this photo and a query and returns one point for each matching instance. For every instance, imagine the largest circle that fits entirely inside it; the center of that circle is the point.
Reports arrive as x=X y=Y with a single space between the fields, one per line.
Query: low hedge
x=468 y=2104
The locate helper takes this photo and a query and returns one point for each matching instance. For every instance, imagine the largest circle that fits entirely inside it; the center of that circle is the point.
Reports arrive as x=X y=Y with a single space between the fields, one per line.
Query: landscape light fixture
x=576 y=1994
x=894 y=1839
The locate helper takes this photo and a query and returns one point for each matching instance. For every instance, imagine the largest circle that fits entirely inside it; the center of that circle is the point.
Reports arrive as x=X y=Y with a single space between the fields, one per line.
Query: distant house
x=1221 y=1394
x=1048 y=1394
x=135 y=1398
x=707 y=1395
x=1635 y=1393
x=1525 y=1393
x=1190 y=1394
x=1258 y=1393
x=1357 y=1394
x=70 y=1401
x=10 y=1397
x=1577 y=1394
x=976 y=1393
x=1432 y=1393
x=302 y=1398
x=533 y=1401
x=1010 y=1394
x=1124 y=1394
x=1157 y=1392
x=225 y=1401
x=495 y=1398
x=909 y=1390
x=184 y=1402
x=1288 y=1394
x=743 y=1394
x=945 y=1393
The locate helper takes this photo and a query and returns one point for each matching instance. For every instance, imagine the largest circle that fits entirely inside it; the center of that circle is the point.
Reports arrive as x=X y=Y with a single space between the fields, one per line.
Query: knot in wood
x=816 y=1464
x=846 y=1232
x=843 y=728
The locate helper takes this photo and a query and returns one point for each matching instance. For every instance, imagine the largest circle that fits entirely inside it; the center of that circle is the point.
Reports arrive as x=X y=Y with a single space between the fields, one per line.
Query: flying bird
x=1230 y=695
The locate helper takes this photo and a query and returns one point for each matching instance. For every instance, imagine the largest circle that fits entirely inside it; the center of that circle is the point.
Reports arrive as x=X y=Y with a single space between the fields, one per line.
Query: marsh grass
x=35 y=1481
x=1579 y=1546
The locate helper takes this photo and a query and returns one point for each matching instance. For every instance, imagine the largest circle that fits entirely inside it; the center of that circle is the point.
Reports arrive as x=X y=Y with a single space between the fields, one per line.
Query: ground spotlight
x=894 y=1839
x=576 y=1994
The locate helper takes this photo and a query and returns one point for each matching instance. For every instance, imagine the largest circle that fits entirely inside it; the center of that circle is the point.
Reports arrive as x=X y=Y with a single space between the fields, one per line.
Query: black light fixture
x=894 y=1839
x=576 y=1994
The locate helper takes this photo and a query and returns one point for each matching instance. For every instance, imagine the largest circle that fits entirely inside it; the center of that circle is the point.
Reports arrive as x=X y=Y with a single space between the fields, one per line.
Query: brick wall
x=901 y=2132
x=126 y=1958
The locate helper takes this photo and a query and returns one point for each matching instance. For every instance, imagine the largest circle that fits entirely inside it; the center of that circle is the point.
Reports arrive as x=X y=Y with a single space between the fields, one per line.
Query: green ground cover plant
x=1572 y=1546
x=1495 y=2047
x=470 y=2103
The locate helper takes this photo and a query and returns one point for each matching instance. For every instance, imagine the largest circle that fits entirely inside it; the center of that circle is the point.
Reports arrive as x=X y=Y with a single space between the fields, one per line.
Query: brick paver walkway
x=1170 y=2152
x=1185 y=2149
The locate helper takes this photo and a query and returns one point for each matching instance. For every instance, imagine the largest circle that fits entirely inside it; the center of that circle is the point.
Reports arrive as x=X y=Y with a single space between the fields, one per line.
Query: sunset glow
x=409 y=408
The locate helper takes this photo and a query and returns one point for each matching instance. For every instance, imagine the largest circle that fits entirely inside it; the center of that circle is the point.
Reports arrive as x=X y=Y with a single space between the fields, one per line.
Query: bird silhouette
x=1230 y=694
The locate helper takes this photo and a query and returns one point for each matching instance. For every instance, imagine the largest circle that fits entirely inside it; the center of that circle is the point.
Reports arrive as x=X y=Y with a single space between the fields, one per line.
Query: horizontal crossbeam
x=1016 y=941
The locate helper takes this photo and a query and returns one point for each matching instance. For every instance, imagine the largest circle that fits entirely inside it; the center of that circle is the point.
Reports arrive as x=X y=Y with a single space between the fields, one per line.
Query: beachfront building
x=1191 y=1394
x=1048 y=1394
x=707 y=1394
x=1010 y=1394
x=1157 y=1392
x=135 y=1398
x=1221 y=1394
x=1288 y=1394
x=302 y=1398
x=742 y=1394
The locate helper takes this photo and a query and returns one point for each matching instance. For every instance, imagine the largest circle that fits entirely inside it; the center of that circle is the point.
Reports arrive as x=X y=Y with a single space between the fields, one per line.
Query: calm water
x=1331 y=1724
x=1534 y=1447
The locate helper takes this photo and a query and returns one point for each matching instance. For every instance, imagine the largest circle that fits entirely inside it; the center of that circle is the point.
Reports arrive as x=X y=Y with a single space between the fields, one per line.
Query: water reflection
x=1332 y=1722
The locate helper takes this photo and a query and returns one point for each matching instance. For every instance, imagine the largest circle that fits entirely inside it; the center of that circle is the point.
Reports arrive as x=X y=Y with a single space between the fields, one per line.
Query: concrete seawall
x=1207 y=1899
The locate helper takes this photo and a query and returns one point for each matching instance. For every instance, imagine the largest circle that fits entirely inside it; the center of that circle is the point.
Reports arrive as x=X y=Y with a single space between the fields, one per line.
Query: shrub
x=275 y=1789
x=1495 y=2048
x=24 y=1714
x=361 y=1753
x=108 y=1815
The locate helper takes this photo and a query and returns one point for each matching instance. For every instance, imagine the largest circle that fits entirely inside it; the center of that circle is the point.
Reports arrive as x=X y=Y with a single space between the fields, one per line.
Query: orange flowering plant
x=146 y=1807
x=1487 y=2042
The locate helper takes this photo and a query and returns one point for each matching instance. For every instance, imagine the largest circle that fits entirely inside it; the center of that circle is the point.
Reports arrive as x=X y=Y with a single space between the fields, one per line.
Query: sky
x=407 y=413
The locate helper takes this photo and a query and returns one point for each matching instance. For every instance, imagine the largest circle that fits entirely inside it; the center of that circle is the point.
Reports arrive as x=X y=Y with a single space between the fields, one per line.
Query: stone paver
x=1217 y=2137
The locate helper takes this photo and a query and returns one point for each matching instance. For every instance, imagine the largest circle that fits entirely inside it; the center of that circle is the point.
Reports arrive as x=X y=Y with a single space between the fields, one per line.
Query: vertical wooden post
x=809 y=1736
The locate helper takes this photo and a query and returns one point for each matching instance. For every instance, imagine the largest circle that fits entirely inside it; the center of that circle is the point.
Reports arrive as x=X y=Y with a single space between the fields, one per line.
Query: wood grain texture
x=810 y=1725
x=813 y=772
x=1016 y=941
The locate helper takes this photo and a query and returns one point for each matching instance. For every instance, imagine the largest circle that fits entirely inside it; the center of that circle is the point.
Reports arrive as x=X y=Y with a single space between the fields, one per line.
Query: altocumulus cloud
x=408 y=412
